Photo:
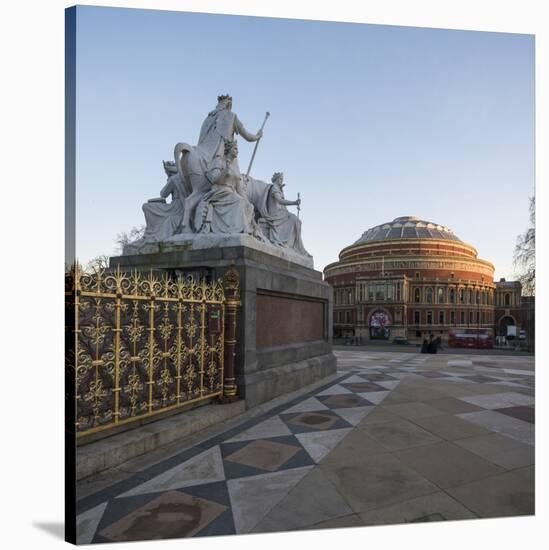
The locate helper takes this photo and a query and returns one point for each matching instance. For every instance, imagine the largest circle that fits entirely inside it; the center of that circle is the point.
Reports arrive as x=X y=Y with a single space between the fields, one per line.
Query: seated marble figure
x=163 y=219
x=280 y=226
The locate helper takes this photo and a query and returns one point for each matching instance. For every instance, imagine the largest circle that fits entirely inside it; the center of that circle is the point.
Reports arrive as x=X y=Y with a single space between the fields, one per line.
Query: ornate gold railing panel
x=142 y=344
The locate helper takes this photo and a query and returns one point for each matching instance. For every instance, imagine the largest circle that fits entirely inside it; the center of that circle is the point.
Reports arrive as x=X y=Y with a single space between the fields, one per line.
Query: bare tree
x=127 y=237
x=99 y=263
x=525 y=254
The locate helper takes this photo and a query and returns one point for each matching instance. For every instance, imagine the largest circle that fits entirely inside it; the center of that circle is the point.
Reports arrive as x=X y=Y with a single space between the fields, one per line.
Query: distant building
x=410 y=278
x=514 y=313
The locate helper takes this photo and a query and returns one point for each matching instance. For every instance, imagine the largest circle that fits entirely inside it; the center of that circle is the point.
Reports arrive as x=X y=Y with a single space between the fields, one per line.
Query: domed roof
x=407 y=227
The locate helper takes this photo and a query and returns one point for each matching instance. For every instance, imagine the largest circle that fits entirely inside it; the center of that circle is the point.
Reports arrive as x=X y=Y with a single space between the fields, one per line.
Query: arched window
x=441 y=298
x=429 y=295
x=461 y=296
x=507 y=299
x=477 y=297
x=417 y=295
x=452 y=296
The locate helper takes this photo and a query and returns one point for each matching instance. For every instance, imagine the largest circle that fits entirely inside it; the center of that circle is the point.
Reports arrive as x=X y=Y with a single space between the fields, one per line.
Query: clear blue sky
x=367 y=122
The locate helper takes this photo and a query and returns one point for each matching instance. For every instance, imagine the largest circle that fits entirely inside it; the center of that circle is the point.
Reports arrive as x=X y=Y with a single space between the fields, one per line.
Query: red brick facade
x=410 y=278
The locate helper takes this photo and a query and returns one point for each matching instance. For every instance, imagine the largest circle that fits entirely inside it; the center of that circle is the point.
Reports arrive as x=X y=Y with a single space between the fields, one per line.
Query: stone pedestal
x=284 y=334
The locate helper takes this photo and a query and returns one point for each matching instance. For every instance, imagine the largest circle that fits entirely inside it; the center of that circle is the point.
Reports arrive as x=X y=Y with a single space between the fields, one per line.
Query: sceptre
x=298 y=205
x=267 y=114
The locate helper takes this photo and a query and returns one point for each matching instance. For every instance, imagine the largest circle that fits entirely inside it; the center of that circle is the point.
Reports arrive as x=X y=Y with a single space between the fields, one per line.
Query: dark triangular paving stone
x=520 y=412
x=216 y=492
x=222 y=525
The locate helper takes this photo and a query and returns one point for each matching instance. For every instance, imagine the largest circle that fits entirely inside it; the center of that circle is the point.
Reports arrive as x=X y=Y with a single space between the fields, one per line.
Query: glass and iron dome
x=407 y=227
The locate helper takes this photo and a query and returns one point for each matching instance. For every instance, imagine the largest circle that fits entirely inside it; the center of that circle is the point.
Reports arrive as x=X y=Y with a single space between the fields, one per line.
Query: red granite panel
x=284 y=320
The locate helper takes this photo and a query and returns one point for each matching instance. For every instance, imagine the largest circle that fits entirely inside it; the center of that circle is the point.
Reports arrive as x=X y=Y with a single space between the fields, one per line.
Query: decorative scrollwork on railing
x=144 y=343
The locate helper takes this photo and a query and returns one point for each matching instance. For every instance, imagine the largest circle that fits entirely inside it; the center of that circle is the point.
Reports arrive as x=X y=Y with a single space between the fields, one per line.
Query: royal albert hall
x=409 y=278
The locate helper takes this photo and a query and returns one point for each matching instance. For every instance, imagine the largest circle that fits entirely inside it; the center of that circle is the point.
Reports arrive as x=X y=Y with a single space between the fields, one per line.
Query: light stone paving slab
x=460 y=363
x=450 y=427
x=500 y=450
x=353 y=379
x=375 y=397
x=501 y=423
x=397 y=435
x=457 y=378
x=416 y=509
x=353 y=415
x=86 y=523
x=518 y=371
x=446 y=464
x=352 y=520
x=509 y=384
x=206 y=467
x=313 y=500
x=517 y=399
x=379 y=415
x=352 y=449
x=372 y=481
x=507 y=494
x=319 y=444
x=396 y=397
x=253 y=497
x=272 y=427
x=499 y=400
x=336 y=389
x=413 y=410
x=311 y=404
x=389 y=384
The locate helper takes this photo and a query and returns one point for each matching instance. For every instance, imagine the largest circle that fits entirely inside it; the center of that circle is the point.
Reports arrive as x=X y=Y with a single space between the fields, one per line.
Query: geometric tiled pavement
x=397 y=437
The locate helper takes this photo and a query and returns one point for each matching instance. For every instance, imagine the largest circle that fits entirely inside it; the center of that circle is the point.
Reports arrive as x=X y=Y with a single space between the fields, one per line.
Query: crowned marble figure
x=210 y=196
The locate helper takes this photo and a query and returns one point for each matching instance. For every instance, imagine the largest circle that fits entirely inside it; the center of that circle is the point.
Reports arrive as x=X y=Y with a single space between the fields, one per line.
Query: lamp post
x=478 y=319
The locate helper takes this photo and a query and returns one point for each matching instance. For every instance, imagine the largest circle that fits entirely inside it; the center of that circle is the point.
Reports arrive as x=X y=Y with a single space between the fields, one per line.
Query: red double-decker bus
x=482 y=338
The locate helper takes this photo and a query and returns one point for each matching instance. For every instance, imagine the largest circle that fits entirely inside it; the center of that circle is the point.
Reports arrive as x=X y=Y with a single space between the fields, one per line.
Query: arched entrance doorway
x=504 y=323
x=380 y=325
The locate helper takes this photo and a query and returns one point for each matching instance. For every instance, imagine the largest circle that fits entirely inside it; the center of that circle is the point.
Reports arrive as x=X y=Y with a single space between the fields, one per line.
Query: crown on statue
x=277 y=176
x=224 y=97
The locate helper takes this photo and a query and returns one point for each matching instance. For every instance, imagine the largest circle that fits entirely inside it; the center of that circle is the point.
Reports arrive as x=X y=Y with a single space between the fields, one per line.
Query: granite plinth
x=189 y=241
x=281 y=346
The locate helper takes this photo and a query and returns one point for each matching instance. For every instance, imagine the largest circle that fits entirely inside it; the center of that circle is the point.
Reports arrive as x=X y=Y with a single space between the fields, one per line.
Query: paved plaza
x=391 y=438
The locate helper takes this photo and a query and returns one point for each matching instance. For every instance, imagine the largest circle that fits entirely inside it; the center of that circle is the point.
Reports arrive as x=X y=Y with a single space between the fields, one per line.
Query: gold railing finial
x=232 y=279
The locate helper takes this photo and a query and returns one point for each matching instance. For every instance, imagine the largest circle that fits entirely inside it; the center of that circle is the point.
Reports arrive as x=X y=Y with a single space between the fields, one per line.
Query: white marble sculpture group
x=210 y=196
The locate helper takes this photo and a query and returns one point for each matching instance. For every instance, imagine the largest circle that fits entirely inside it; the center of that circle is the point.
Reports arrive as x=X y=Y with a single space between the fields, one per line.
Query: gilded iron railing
x=142 y=344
